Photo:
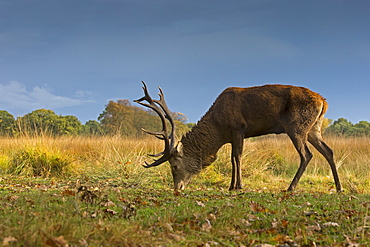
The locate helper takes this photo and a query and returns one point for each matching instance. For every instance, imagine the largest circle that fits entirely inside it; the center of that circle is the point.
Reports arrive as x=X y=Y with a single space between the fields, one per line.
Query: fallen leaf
x=245 y=222
x=88 y=196
x=110 y=211
x=281 y=238
x=8 y=240
x=128 y=211
x=61 y=241
x=211 y=216
x=213 y=243
x=252 y=217
x=352 y=197
x=68 y=193
x=334 y=224
x=108 y=203
x=284 y=223
x=350 y=242
x=199 y=203
x=366 y=204
x=309 y=213
x=168 y=227
x=316 y=228
x=207 y=226
x=259 y=208
x=56 y=242
x=12 y=198
x=83 y=242
x=175 y=237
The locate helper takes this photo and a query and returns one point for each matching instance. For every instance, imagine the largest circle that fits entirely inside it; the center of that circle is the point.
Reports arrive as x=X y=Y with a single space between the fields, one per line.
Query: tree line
x=120 y=117
x=343 y=127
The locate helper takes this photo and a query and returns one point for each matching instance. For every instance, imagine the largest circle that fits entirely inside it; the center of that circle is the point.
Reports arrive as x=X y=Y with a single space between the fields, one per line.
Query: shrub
x=38 y=162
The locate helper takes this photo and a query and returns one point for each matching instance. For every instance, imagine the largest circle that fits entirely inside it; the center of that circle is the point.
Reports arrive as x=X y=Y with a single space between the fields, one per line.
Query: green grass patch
x=110 y=212
x=38 y=162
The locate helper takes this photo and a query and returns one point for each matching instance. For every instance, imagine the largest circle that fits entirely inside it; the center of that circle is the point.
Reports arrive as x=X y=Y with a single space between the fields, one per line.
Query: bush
x=37 y=162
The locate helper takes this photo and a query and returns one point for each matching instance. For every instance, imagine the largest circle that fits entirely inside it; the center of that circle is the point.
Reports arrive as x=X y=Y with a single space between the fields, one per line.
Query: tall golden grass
x=269 y=163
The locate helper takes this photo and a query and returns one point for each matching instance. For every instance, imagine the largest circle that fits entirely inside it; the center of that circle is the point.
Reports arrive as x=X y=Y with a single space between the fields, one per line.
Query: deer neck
x=201 y=145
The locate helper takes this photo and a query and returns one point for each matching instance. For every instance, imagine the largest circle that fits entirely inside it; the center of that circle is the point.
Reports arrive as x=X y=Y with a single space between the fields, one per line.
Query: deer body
x=240 y=113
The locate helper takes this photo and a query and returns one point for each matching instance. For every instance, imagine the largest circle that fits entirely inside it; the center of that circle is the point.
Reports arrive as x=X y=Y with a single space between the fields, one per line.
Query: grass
x=102 y=196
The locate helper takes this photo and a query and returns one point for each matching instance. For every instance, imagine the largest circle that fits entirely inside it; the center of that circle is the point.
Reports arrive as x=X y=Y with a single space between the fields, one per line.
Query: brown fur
x=240 y=113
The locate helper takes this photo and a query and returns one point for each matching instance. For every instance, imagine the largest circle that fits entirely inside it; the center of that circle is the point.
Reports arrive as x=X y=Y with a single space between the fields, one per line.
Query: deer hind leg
x=300 y=143
x=236 y=153
x=315 y=138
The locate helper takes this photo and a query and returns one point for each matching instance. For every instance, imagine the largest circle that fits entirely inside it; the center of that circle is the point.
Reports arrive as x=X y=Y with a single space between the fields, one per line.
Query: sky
x=74 y=56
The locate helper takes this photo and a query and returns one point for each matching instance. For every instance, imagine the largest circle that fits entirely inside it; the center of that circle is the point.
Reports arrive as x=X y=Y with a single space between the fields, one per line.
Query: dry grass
x=269 y=163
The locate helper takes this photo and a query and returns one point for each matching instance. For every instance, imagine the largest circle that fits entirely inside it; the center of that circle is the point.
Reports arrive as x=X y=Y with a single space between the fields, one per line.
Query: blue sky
x=73 y=56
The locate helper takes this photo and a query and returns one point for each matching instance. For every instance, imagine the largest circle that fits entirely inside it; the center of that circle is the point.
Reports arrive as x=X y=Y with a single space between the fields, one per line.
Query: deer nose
x=180 y=186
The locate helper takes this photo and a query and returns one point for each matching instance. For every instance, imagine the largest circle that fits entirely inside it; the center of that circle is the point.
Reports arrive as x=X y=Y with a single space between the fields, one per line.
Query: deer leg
x=305 y=155
x=236 y=153
x=316 y=140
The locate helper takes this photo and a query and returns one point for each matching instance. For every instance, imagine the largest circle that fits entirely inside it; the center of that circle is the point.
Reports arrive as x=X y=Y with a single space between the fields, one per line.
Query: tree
x=340 y=127
x=361 y=129
x=343 y=127
x=121 y=117
x=92 y=127
x=38 y=122
x=325 y=124
x=42 y=121
x=179 y=117
x=7 y=123
x=68 y=125
x=117 y=117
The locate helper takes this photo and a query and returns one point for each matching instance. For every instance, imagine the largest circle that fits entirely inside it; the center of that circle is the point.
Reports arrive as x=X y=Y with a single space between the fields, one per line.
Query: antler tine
x=152 y=106
x=159 y=135
x=156 y=163
x=164 y=114
x=146 y=94
x=162 y=103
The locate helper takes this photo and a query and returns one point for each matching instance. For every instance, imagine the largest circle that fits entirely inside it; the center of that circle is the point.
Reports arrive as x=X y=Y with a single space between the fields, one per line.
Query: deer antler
x=160 y=107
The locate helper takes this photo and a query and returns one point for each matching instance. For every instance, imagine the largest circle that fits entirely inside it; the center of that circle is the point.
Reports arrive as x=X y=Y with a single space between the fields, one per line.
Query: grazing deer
x=240 y=113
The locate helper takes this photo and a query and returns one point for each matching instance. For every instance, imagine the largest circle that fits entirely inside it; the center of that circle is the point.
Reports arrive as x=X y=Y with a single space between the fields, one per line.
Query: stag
x=240 y=113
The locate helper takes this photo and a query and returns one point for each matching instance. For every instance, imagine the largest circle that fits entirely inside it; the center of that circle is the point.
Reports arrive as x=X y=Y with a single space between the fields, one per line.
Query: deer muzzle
x=180 y=185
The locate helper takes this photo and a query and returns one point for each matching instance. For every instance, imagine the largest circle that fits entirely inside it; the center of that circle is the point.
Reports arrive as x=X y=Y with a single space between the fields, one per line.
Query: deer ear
x=178 y=149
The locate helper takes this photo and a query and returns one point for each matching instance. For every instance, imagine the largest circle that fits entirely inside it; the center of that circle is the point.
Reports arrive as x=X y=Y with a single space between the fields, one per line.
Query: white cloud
x=14 y=96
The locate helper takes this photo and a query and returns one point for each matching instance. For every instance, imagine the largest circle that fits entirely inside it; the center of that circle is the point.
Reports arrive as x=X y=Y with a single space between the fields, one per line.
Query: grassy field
x=80 y=191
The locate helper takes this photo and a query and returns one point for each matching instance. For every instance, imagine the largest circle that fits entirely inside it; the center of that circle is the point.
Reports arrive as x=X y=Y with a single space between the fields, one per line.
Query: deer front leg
x=236 y=153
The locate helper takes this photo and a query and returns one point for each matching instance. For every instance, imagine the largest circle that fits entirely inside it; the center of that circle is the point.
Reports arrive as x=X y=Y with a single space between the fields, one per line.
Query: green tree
x=46 y=122
x=343 y=127
x=7 y=123
x=340 y=127
x=68 y=125
x=360 y=129
x=38 y=122
x=92 y=127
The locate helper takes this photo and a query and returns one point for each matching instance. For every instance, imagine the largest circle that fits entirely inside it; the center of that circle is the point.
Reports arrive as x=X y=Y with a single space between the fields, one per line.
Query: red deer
x=240 y=113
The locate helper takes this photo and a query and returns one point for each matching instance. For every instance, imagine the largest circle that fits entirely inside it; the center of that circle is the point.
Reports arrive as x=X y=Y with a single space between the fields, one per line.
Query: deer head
x=172 y=152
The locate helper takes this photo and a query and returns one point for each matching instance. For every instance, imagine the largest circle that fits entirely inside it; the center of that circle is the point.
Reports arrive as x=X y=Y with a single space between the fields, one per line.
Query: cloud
x=15 y=97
